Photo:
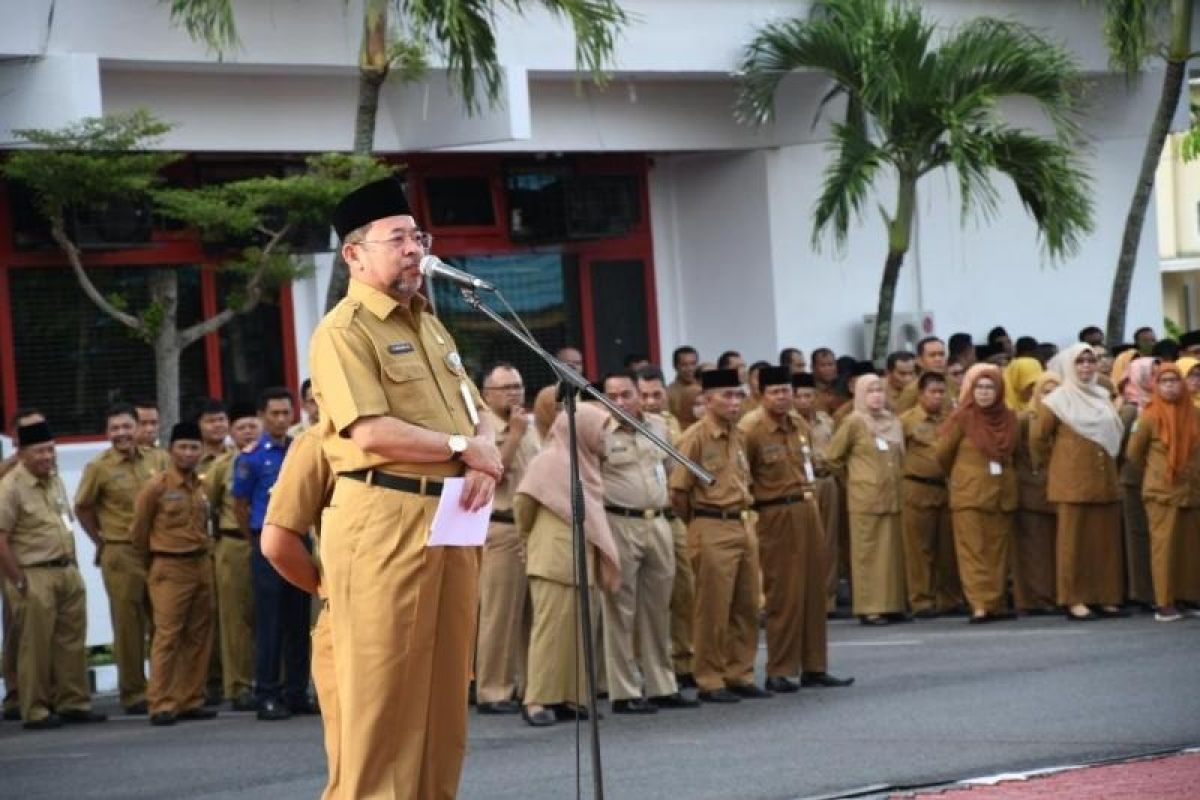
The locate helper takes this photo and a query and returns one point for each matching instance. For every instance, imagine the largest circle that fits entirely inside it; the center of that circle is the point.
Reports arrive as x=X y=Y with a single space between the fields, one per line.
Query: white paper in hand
x=453 y=526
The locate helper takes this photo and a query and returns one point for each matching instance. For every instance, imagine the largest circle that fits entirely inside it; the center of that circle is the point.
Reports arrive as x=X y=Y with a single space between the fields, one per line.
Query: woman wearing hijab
x=1019 y=377
x=1037 y=518
x=1189 y=368
x=1079 y=441
x=1166 y=444
x=542 y=509
x=975 y=448
x=1120 y=367
x=869 y=448
x=1136 y=392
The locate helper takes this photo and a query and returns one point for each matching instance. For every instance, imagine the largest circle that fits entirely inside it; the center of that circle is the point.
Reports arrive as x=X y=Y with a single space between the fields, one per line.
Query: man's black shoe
x=137 y=709
x=566 y=713
x=781 y=684
x=823 y=679
x=273 y=711
x=542 y=719
x=162 y=718
x=685 y=680
x=676 y=700
x=12 y=714
x=719 y=696
x=47 y=723
x=501 y=707
x=213 y=697
x=199 y=712
x=635 y=706
x=81 y=715
x=749 y=691
x=244 y=702
x=926 y=613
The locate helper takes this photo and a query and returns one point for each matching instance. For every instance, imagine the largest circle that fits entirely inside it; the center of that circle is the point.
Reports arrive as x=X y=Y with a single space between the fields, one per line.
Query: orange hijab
x=993 y=430
x=1175 y=423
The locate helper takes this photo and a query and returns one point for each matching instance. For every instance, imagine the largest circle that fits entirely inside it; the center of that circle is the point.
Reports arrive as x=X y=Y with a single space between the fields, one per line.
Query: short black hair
x=757 y=365
x=896 y=357
x=273 y=393
x=145 y=402
x=960 y=343
x=210 y=406
x=685 y=350
x=633 y=358
x=785 y=355
x=821 y=352
x=996 y=333
x=626 y=374
x=928 y=340
x=928 y=378
x=305 y=387
x=650 y=372
x=1141 y=330
x=724 y=359
x=1090 y=330
x=1026 y=346
x=1166 y=348
x=120 y=409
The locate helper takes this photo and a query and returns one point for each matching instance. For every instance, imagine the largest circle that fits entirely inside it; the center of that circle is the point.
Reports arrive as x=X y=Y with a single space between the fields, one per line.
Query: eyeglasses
x=508 y=387
x=421 y=239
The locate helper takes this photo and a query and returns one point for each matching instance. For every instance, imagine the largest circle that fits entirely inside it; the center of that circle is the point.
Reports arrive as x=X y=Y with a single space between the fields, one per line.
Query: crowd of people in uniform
x=959 y=480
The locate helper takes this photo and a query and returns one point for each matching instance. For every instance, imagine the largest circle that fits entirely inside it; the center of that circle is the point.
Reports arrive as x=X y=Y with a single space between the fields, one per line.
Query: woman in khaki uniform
x=542 y=508
x=975 y=448
x=1037 y=517
x=1136 y=391
x=1166 y=443
x=1078 y=441
x=869 y=447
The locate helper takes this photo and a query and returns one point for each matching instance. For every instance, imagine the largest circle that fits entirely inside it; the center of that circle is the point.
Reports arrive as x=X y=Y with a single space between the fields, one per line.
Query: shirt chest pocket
x=713 y=459
x=175 y=509
x=773 y=454
x=621 y=455
x=407 y=384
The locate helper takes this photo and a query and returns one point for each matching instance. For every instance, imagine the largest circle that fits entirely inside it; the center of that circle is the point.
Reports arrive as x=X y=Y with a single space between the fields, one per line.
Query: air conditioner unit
x=908 y=328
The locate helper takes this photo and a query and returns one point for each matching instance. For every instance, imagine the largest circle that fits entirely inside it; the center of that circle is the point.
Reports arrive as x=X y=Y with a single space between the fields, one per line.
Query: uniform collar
x=773 y=425
x=380 y=303
x=267 y=443
x=713 y=428
x=135 y=455
x=22 y=474
x=176 y=479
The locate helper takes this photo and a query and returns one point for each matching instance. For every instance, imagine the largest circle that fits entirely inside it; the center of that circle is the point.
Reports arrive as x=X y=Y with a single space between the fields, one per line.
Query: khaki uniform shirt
x=1146 y=450
x=1077 y=469
x=778 y=453
x=110 y=483
x=170 y=514
x=218 y=483
x=830 y=399
x=633 y=468
x=304 y=486
x=36 y=515
x=872 y=475
x=920 y=459
x=975 y=481
x=908 y=398
x=820 y=434
x=1031 y=481
x=721 y=451
x=1130 y=472
x=370 y=357
x=677 y=399
x=526 y=450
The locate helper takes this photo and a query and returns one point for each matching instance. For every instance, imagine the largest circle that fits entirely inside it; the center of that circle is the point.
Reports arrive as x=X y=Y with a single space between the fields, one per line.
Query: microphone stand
x=577 y=382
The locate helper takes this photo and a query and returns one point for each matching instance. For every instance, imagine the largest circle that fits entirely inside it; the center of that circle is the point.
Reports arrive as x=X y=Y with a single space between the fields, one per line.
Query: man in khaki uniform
x=790 y=540
x=213 y=419
x=104 y=505
x=931 y=357
x=685 y=361
x=901 y=371
x=653 y=393
x=147 y=423
x=399 y=415
x=830 y=396
x=829 y=495
x=170 y=533
x=929 y=558
x=43 y=587
x=724 y=549
x=504 y=611
x=231 y=566
x=637 y=616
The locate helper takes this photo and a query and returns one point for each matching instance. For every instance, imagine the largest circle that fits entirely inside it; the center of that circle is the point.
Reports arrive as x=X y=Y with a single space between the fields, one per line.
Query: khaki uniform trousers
x=1139 y=583
x=830 y=504
x=1175 y=576
x=402 y=617
x=791 y=548
x=983 y=540
x=637 y=617
x=930 y=562
x=683 y=601
x=325 y=680
x=557 y=670
x=235 y=614
x=8 y=653
x=1033 y=560
x=877 y=564
x=124 y=574
x=181 y=594
x=1089 y=554
x=51 y=661
x=504 y=616
x=725 y=561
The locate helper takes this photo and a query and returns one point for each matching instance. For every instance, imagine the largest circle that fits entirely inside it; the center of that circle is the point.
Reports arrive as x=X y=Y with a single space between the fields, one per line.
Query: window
x=459 y=202
x=550 y=203
x=251 y=349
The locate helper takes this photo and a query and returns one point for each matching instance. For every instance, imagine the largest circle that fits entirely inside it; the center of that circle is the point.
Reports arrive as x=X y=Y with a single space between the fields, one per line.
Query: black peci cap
x=376 y=200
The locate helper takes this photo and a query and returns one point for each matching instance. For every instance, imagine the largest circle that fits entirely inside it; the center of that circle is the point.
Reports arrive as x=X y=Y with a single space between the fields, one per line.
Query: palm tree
x=913 y=107
x=394 y=33
x=1133 y=30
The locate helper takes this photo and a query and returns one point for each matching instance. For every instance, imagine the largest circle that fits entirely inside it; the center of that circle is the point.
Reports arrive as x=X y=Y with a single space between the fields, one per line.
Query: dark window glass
x=619 y=303
x=602 y=205
x=459 y=201
x=73 y=360
x=251 y=348
x=537 y=203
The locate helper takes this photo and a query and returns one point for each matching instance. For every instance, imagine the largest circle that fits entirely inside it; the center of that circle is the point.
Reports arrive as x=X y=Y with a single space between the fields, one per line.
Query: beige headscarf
x=1084 y=407
x=547 y=480
x=881 y=423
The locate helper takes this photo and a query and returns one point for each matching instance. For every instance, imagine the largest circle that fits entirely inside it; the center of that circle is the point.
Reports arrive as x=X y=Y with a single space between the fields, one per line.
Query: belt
x=790 y=499
x=939 y=482
x=188 y=554
x=226 y=533
x=737 y=514
x=503 y=516
x=641 y=513
x=118 y=541
x=373 y=477
x=54 y=562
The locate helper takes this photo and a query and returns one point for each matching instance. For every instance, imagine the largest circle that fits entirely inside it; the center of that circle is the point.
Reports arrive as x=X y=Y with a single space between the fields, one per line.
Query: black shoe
x=781 y=684
x=676 y=700
x=1112 y=613
x=501 y=707
x=823 y=679
x=213 y=697
x=47 y=723
x=719 y=696
x=12 y=714
x=273 y=711
x=685 y=680
x=81 y=715
x=199 y=712
x=471 y=693
x=749 y=691
x=137 y=709
x=304 y=708
x=566 y=713
x=874 y=619
x=635 y=706
x=926 y=613
x=162 y=718
x=899 y=617
x=541 y=719
x=244 y=702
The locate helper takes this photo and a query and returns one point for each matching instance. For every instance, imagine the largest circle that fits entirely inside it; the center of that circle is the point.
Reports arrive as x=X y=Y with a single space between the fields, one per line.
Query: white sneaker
x=1170 y=616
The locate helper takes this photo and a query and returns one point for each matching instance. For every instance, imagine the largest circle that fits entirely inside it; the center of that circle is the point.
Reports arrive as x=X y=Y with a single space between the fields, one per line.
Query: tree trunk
x=1168 y=101
x=164 y=292
x=899 y=235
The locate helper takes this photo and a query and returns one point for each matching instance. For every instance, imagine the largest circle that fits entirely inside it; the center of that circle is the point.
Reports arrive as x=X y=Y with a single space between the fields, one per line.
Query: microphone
x=434 y=267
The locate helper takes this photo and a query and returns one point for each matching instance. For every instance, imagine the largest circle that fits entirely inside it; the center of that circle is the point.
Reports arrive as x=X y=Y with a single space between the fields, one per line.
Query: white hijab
x=1086 y=408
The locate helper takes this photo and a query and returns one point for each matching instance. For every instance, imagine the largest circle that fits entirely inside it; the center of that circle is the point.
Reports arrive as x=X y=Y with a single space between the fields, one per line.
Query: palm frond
x=1133 y=29
x=596 y=24
x=846 y=184
x=208 y=21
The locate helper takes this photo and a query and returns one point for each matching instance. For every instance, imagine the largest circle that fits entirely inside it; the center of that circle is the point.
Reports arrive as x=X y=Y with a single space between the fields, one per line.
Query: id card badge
x=468 y=401
x=995 y=468
x=881 y=444
x=661 y=474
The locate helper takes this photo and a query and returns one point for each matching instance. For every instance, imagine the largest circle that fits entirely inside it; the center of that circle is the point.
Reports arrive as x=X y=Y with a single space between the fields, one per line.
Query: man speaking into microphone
x=400 y=415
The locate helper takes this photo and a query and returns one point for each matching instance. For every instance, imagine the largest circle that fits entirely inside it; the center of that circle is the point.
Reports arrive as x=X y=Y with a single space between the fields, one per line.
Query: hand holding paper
x=453 y=526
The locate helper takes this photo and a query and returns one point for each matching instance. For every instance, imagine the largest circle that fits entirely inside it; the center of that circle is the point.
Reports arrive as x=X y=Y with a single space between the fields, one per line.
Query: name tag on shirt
x=661 y=474
x=400 y=348
x=995 y=468
x=881 y=444
x=809 y=475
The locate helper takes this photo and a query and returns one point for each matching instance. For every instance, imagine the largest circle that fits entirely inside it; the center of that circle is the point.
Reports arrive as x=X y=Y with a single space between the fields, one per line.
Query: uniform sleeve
x=215 y=483
x=946 y=447
x=9 y=508
x=299 y=492
x=144 y=507
x=682 y=480
x=345 y=377
x=1138 y=444
x=245 y=476
x=89 y=486
x=839 y=447
x=1041 y=437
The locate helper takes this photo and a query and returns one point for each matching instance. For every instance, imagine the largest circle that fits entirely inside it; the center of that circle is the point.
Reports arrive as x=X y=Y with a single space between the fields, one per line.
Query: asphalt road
x=934 y=701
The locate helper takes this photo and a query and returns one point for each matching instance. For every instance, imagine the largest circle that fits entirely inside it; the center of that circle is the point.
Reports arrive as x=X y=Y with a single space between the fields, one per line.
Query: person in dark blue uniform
x=281 y=611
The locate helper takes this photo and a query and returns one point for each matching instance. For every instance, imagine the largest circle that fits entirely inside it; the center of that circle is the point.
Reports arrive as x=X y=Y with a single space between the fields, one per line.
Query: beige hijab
x=1084 y=407
x=881 y=423
x=546 y=480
